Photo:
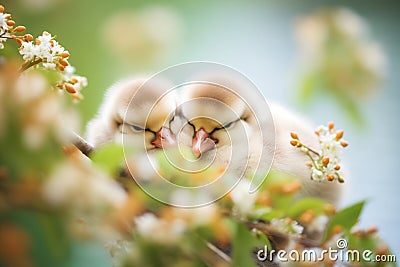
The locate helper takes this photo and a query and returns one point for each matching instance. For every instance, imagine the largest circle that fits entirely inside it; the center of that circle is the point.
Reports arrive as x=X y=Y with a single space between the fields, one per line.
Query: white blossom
x=69 y=71
x=242 y=198
x=316 y=174
x=50 y=66
x=28 y=51
x=3 y=20
x=159 y=230
x=57 y=48
x=325 y=161
x=81 y=82
x=329 y=144
x=83 y=188
x=331 y=147
x=287 y=226
x=197 y=216
x=45 y=39
x=318 y=224
x=46 y=49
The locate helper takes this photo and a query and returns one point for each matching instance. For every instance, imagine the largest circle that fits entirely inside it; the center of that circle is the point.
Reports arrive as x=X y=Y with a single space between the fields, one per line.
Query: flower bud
x=294 y=142
x=291 y=187
x=329 y=209
x=61 y=67
x=65 y=54
x=309 y=164
x=294 y=135
x=344 y=143
x=28 y=37
x=339 y=134
x=10 y=22
x=20 y=28
x=64 y=62
x=264 y=199
x=341 y=180
x=1 y=8
x=331 y=125
x=307 y=216
x=382 y=250
x=337 y=167
x=325 y=161
x=337 y=229
x=70 y=88
x=372 y=230
x=74 y=80
x=330 y=177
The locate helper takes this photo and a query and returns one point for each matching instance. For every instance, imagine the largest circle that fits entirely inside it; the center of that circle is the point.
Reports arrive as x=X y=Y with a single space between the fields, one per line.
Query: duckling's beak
x=164 y=138
x=202 y=142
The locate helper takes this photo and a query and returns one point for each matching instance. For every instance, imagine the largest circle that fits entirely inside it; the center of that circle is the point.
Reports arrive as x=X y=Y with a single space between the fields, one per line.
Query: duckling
x=136 y=111
x=216 y=118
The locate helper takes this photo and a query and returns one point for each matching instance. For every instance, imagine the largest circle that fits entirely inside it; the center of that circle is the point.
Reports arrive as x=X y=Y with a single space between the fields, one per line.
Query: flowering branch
x=325 y=164
x=45 y=52
x=8 y=31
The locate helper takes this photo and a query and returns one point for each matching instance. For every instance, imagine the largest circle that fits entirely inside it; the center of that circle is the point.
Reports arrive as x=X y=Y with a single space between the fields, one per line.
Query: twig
x=217 y=251
x=29 y=64
x=82 y=144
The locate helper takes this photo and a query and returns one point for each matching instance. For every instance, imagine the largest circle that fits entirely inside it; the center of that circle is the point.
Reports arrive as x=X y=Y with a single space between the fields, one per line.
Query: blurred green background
x=111 y=39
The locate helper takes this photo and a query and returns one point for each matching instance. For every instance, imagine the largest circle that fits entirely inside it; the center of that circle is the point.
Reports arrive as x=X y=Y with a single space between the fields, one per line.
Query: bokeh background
x=112 y=39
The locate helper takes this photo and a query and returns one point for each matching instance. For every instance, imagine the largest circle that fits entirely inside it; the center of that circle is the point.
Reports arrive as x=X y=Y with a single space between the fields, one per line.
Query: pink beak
x=165 y=138
x=202 y=143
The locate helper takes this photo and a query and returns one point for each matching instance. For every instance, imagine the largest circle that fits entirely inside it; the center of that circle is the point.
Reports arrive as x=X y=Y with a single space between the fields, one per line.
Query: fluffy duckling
x=216 y=118
x=137 y=112
x=215 y=125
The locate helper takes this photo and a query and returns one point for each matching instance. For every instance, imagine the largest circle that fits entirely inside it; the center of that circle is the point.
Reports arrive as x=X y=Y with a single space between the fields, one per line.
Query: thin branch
x=312 y=150
x=29 y=64
x=219 y=252
x=80 y=143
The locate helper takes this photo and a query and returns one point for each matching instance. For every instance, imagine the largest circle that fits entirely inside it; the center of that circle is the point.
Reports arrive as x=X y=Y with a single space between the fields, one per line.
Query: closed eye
x=229 y=124
x=226 y=126
x=137 y=128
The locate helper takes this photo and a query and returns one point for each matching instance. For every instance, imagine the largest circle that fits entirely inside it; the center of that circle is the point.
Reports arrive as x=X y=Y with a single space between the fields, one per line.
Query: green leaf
x=243 y=245
x=264 y=239
x=368 y=242
x=266 y=214
x=315 y=204
x=109 y=157
x=281 y=201
x=346 y=218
